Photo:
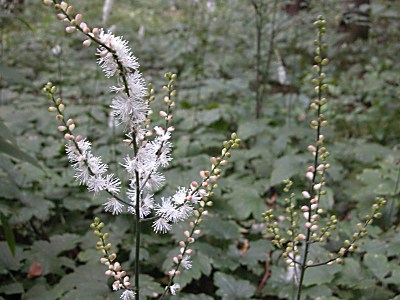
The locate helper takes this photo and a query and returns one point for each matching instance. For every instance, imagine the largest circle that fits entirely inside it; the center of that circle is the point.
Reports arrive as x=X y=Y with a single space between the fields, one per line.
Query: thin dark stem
x=303 y=265
x=137 y=222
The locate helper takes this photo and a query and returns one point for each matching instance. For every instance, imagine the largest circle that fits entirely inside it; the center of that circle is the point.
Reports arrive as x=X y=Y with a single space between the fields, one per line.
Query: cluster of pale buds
x=74 y=23
x=121 y=280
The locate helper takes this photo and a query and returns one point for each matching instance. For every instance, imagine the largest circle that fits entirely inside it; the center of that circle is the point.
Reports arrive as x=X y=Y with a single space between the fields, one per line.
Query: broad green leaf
x=6 y=133
x=230 y=288
x=377 y=264
x=220 y=229
x=14 y=151
x=285 y=167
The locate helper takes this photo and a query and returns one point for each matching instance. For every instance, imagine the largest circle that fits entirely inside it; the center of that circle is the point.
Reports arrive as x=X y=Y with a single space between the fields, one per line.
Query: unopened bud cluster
x=114 y=268
x=205 y=190
x=291 y=239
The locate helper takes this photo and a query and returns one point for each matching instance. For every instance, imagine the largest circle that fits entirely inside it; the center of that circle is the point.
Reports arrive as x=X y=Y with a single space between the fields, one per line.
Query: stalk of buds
x=305 y=227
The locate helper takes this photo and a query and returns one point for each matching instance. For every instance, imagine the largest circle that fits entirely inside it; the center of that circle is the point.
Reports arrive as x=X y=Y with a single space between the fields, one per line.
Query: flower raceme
x=150 y=151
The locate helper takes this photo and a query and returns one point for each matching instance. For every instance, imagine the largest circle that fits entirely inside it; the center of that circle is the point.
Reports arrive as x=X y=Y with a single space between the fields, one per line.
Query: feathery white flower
x=146 y=204
x=186 y=262
x=128 y=295
x=113 y=206
x=161 y=225
x=174 y=288
x=123 y=53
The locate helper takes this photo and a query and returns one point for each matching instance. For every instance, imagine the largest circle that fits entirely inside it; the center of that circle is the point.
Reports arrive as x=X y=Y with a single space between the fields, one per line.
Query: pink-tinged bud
x=197 y=231
x=71 y=127
x=182 y=244
x=311 y=148
x=310 y=169
x=96 y=31
x=171 y=129
x=70 y=121
x=159 y=130
x=304 y=208
x=190 y=240
x=103 y=53
x=306 y=215
x=108 y=273
x=163 y=114
x=122 y=274
x=307 y=224
x=306 y=194
x=313 y=201
x=86 y=43
x=205 y=213
x=175 y=260
x=315 y=217
x=67 y=136
x=70 y=9
x=189 y=251
x=64 y=5
x=170 y=117
x=172 y=272
x=83 y=25
x=70 y=29
x=314 y=228
x=317 y=187
x=79 y=138
x=86 y=30
x=202 y=192
x=194 y=184
x=61 y=17
x=186 y=233
x=314 y=206
x=61 y=128
x=178 y=273
x=78 y=18
x=103 y=260
x=117 y=276
x=321 y=167
x=204 y=184
x=126 y=279
x=310 y=175
x=281 y=218
x=301 y=236
x=117 y=266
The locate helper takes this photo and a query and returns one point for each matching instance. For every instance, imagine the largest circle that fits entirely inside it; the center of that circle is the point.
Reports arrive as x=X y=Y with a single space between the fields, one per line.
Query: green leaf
x=6 y=133
x=14 y=151
x=221 y=229
x=285 y=167
x=8 y=233
x=231 y=289
x=377 y=264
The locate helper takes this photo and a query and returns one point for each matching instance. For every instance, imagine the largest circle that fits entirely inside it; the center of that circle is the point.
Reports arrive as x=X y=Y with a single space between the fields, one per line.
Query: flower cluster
x=150 y=150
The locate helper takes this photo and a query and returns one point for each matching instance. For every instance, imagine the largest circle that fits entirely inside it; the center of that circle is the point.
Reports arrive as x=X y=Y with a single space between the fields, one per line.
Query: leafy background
x=214 y=54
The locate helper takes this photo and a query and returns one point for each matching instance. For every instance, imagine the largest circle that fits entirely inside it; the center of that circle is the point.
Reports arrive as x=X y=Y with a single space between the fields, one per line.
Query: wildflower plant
x=306 y=228
x=150 y=151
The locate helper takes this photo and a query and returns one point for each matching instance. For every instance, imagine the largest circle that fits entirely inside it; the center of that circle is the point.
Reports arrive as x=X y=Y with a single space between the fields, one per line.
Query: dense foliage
x=213 y=49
